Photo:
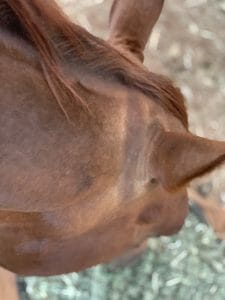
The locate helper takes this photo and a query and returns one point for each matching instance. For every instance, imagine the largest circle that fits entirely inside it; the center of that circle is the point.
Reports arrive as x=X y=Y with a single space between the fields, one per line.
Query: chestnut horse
x=95 y=149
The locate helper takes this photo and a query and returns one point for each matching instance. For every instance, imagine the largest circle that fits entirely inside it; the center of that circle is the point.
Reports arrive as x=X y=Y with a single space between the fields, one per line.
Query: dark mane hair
x=57 y=39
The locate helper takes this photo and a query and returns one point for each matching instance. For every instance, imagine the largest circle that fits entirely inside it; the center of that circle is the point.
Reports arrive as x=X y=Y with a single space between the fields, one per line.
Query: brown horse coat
x=95 y=151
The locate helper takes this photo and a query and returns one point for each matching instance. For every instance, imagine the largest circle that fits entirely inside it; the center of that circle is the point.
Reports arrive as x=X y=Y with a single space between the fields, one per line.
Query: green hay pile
x=190 y=265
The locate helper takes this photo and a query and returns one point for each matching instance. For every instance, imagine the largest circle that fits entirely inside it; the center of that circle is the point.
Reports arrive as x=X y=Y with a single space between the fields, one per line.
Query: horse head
x=106 y=165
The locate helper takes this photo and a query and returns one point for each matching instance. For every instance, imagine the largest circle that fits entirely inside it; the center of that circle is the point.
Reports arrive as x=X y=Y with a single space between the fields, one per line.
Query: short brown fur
x=59 y=39
x=84 y=190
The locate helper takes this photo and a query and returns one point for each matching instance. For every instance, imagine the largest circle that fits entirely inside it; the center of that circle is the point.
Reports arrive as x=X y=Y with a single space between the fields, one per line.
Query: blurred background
x=188 y=44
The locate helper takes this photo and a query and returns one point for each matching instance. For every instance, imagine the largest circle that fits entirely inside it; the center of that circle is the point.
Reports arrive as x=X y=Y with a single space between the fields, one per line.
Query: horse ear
x=177 y=158
x=131 y=23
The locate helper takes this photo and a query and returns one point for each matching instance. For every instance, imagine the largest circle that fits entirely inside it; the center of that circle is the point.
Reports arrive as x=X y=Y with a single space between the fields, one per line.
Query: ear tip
x=178 y=158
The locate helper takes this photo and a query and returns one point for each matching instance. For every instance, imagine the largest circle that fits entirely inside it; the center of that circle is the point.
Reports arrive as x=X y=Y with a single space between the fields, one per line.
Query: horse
x=95 y=153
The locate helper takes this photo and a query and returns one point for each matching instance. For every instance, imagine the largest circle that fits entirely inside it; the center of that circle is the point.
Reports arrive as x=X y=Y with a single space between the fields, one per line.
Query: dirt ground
x=188 y=44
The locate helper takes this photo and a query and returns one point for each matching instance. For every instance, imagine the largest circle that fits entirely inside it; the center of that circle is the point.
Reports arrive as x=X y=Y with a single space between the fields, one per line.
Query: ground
x=188 y=44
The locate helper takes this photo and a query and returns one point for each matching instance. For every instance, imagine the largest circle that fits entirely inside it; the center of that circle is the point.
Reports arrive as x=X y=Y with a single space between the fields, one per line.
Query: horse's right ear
x=131 y=23
x=177 y=158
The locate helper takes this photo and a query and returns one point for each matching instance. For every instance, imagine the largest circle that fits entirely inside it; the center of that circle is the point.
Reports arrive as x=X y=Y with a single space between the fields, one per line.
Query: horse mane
x=58 y=40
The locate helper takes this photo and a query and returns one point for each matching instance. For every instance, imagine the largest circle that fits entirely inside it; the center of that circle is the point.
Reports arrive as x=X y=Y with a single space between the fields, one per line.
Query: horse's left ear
x=177 y=158
x=131 y=23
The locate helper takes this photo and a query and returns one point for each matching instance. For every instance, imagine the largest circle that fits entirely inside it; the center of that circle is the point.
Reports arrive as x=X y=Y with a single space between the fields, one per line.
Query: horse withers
x=95 y=149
